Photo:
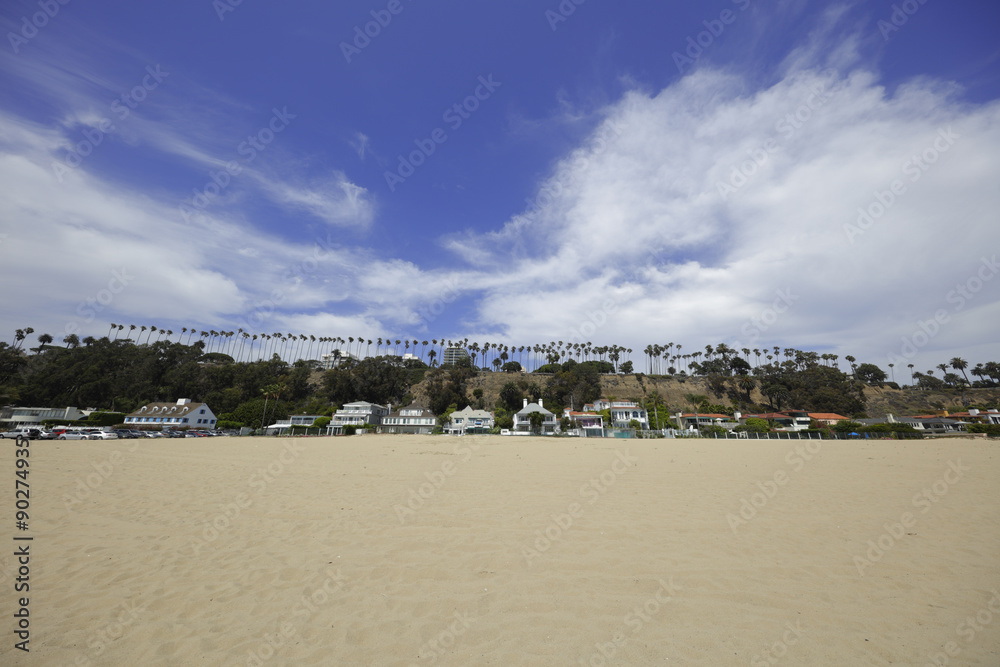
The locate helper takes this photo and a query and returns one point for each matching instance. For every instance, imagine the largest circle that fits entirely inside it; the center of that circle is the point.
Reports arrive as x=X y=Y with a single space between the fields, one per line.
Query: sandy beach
x=426 y=550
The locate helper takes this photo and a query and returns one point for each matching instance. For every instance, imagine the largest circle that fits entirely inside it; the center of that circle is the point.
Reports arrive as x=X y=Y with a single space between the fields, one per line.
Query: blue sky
x=522 y=172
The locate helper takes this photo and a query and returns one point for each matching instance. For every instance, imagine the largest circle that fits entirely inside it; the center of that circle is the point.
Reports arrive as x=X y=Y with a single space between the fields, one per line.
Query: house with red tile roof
x=827 y=418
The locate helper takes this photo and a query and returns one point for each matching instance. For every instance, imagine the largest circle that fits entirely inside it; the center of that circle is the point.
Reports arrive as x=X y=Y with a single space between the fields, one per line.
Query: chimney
x=540 y=403
x=973 y=411
x=525 y=402
x=183 y=401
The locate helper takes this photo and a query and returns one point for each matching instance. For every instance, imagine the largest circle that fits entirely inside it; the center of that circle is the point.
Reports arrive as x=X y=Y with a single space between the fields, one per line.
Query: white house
x=522 y=419
x=468 y=420
x=181 y=413
x=357 y=414
x=295 y=421
x=411 y=419
x=11 y=417
x=333 y=359
x=622 y=412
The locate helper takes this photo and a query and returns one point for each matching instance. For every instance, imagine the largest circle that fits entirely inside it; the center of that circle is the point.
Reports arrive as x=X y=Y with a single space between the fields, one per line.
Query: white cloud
x=612 y=209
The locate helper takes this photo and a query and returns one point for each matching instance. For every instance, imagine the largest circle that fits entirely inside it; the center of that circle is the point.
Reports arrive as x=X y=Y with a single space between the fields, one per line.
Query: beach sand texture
x=421 y=550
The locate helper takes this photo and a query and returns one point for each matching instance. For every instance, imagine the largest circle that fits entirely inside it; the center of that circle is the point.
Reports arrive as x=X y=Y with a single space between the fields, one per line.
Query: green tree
x=536 y=419
x=511 y=397
x=753 y=425
x=870 y=374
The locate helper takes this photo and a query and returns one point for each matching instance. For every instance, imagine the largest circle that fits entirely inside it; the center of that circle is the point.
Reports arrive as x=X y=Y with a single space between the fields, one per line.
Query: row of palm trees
x=668 y=359
x=661 y=359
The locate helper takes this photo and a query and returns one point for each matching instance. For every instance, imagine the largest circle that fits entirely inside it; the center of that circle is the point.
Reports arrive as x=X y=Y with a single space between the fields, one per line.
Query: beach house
x=411 y=419
x=183 y=413
x=283 y=426
x=357 y=414
x=14 y=417
x=585 y=423
x=468 y=420
x=522 y=419
x=623 y=413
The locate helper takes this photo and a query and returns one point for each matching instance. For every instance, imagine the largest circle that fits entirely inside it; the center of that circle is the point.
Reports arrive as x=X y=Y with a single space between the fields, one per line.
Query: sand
x=421 y=550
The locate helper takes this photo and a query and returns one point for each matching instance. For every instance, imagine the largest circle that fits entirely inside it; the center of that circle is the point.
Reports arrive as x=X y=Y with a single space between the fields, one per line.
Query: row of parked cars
x=98 y=434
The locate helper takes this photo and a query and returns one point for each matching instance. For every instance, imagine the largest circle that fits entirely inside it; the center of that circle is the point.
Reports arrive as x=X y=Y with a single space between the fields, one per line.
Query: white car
x=30 y=433
x=101 y=435
x=71 y=435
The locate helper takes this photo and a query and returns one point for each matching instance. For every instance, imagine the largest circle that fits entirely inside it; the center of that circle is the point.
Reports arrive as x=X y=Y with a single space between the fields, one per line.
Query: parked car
x=124 y=433
x=72 y=435
x=101 y=435
x=30 y=433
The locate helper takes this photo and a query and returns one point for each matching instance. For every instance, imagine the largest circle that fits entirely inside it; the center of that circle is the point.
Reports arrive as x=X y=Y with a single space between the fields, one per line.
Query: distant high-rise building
x=453 y=355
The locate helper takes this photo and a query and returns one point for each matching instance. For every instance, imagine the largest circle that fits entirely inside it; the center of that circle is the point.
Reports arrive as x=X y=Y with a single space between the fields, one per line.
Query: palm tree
x=910 y=366
x=747 y=384
x=431 y=355
x=72 y=341
x=943 y=368
x=892 y=372
x=131 y=328
x=960 y=364
x=43 y=340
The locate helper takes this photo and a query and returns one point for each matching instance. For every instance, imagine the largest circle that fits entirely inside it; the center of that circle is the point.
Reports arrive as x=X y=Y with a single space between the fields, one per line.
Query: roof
x=468 y=412
x=424 y=412
x=826 y=415
x=167 y=409
x=533 y=407
x=712 y=415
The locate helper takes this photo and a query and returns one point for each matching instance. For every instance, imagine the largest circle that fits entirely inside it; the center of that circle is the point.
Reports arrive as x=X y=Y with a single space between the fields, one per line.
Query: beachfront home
x=942 y=425
x=918 y=424
x=699 y=420
x=468 y=420
x=623 y=413
x=411 y=419
x=12 y=417
x=357 y=414
x=991 y=416
x=588 y=423
x=172 y=415
x=522 y=419
x=787 y=420
x=827 y=418
x=283 y=426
